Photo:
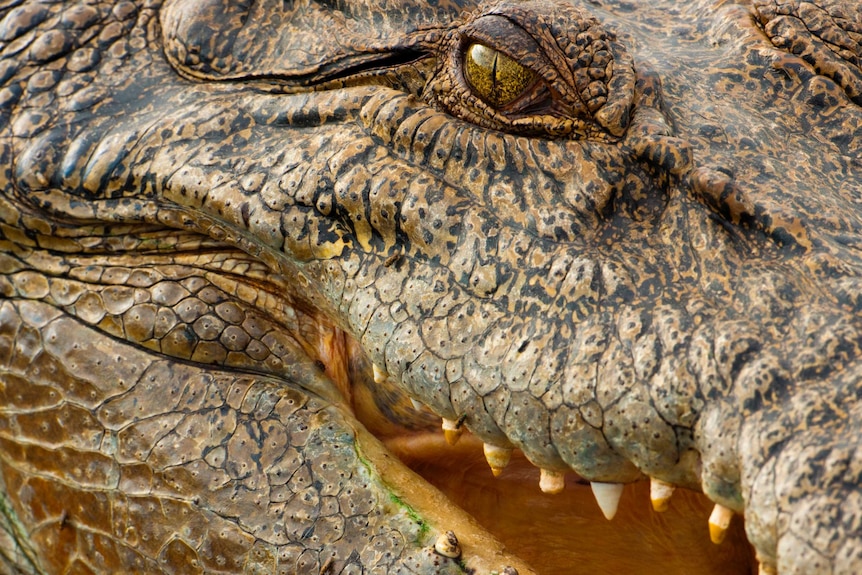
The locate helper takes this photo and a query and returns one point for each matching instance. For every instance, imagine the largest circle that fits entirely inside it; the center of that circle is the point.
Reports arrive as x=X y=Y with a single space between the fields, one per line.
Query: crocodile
x=279 y=277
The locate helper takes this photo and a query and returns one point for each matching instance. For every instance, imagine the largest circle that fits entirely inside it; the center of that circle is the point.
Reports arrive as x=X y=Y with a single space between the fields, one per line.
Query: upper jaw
x=598 y=360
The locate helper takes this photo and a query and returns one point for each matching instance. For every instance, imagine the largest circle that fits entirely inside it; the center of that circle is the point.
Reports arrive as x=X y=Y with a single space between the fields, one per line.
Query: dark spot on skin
x=391 y=260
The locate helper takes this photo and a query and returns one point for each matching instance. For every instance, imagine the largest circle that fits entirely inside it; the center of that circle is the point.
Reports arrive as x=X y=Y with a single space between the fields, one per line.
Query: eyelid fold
x=585 y=78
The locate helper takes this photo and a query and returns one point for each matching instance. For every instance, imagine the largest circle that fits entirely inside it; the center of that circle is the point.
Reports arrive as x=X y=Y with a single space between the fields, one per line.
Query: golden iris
x=496 y=78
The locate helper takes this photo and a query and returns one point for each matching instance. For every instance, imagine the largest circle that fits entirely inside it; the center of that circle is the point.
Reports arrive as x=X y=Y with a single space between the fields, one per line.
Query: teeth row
x=497 y=458
x=447 y=545
x=452 y=430
x=552 y=481
x=659 y=494
x=607 y=494
x=608 y=497
x=719 y=521
x=380 y=375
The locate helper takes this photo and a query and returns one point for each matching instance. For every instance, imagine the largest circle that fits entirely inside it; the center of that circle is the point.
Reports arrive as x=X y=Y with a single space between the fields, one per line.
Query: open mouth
x=553 y=533
x=550 y=532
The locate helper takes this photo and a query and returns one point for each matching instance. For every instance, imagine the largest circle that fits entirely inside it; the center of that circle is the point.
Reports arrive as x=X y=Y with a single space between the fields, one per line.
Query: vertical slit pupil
x=495 y=77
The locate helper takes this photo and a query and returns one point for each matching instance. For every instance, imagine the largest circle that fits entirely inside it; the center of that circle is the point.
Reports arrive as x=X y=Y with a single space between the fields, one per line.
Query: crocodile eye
x=534 y=69
x=494 y=77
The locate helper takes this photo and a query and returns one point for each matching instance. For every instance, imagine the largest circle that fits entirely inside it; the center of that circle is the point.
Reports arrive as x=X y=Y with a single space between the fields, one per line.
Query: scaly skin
x=654 y=276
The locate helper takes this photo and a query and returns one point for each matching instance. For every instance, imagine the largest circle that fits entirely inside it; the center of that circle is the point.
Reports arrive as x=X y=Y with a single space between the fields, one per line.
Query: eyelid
x=584 y=79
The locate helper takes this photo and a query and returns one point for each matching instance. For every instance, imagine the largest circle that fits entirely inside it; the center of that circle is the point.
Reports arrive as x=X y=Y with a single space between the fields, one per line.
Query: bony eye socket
x=496 y=78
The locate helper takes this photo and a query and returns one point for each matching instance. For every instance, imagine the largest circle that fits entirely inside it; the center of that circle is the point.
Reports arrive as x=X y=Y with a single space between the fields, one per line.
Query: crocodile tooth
x=380 y=375
x=452 y=430
x=719 y=521
x=608 y=497
x=551 y=481
x=447 y=545
x=660 y=493
x=497 y=457
x=416 y=405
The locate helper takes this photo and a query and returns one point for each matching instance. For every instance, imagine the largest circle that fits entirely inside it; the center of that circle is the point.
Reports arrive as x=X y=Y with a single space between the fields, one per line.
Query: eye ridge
x=495 y=77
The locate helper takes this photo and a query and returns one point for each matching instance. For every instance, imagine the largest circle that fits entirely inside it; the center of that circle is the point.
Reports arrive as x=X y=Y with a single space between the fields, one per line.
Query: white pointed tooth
x=719 y=521
x=380 y=375
x=416 y=405
x=608 y=497
x=452 y=431
x=551 y=481
x=660 y=493
x=497 y=457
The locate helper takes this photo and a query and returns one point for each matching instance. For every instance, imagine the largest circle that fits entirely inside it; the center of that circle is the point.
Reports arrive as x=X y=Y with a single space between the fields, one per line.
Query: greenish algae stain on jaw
x=421 y=536
x=13 y=529
x=432 y=511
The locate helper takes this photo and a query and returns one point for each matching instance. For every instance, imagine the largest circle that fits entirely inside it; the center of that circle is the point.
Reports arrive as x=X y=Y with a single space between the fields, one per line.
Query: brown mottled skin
x=216 y=216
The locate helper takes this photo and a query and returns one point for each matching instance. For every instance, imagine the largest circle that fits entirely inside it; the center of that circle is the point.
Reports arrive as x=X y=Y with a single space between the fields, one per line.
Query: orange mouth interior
x=558 y=533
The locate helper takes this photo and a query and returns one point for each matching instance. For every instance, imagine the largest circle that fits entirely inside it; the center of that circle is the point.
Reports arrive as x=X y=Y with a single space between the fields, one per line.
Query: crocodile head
x=254 y=251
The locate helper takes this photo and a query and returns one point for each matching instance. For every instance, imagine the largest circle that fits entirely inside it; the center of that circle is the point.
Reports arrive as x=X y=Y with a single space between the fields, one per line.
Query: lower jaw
x=557 y=533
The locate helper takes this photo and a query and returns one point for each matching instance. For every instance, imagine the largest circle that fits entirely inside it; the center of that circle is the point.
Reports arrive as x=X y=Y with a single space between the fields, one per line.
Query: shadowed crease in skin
x=252 y=254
